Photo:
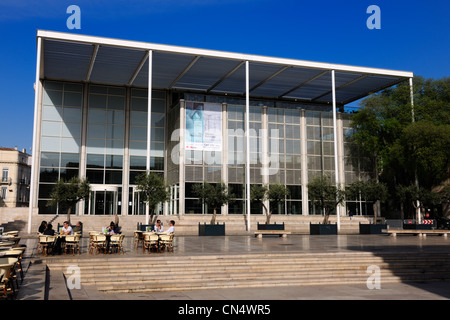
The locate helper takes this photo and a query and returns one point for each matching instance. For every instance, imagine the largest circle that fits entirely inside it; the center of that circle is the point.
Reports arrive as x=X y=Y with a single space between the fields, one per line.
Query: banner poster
x=203 y=126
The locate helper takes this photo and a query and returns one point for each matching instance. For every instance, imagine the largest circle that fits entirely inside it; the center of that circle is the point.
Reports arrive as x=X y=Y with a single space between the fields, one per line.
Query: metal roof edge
x=138 y=45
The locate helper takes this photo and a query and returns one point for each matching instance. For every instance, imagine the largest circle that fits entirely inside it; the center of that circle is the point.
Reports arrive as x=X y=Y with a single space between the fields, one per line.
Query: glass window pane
x=52 y=113
x=138 y=163
x=114 y=132
x=139 y=104
x=45 y=190
x=70 y=160
x=96 y=116
x=67 y=174
x=72 y=114
x=95 y=161
x=113 y=177
x=70 y=129
x=138 y=118
x=113 y=162
x=95 y=146
x=49 y=159
x=138 y=133
x=53 y=98
x=50 y=144
x=48 y=175
x=96 y=131
x=51 y=128
x=158 y=106
x=116 y=102
x=114 y=147
x=94 y=176
x=115 y=117
x=72 y=99
x=97 y=101
x=70 y=145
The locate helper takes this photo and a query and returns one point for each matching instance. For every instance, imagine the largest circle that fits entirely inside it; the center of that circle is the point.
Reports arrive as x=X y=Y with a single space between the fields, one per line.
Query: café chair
x=45 y=243
x=116 y=243
x=151 y=240
x=7 y=268
x=99 y=243
x=16 y=252
x=91 y=240
x=166 y=241
x=72 y=243
x=138 y=238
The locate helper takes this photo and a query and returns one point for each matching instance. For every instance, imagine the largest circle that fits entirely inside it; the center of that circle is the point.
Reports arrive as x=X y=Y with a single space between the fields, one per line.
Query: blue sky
x=414 y=36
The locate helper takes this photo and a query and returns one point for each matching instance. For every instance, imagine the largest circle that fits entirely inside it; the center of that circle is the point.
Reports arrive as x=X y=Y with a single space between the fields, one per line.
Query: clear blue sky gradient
x=414 y=36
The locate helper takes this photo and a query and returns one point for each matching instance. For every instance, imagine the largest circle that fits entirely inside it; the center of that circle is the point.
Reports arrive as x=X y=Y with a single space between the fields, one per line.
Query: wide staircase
x=154 y=273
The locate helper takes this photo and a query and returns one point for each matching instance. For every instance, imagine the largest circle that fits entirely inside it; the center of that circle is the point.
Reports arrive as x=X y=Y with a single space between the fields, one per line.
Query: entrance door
x=104 y=201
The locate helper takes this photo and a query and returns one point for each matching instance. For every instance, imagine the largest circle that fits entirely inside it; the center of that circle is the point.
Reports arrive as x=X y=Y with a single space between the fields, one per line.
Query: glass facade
x=100 y=132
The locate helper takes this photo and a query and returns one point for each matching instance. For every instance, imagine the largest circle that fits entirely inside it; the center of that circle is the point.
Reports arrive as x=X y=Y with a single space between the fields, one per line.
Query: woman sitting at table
x=112 y=229
x=49 y=231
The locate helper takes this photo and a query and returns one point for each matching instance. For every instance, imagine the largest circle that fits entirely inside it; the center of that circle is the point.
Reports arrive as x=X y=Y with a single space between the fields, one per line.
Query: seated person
x=42 y=227
x=112 y=229
x=171 y=228
x=49 y=230
x=66 y=229
x=78 y=227
x=158 y=226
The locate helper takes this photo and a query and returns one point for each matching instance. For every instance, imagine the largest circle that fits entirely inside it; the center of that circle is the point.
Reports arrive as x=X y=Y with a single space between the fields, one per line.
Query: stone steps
x=177 y=273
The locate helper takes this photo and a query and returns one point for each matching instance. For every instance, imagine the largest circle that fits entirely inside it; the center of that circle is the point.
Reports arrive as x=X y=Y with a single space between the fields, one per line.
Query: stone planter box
x=322 y=229
x=371 y=228
x=211 y=229
x=270 y=226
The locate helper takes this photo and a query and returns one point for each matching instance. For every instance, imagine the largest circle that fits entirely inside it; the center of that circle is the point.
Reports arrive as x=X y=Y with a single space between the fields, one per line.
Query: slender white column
x=411 y=93
x=35 y=154
x=247 y=137
x=336 y=170
x=149 y=121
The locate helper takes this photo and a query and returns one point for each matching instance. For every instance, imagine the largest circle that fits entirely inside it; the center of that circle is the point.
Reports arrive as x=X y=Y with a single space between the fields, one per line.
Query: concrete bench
x=281 y=233
x=422 y=233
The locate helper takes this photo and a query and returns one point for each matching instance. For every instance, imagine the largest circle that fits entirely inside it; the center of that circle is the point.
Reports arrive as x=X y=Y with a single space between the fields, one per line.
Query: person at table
x=49 y=230
x=42 y=227
x=171 y=227
x=158 y=226
x=66 y=229
x=112 y=229
x=78 y=227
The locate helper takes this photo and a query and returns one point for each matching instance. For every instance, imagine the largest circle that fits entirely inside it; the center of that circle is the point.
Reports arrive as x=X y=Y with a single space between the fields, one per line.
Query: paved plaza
x=248 y=244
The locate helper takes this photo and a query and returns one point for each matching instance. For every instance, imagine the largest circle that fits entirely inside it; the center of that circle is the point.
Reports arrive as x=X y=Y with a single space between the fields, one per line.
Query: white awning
x=74 y=57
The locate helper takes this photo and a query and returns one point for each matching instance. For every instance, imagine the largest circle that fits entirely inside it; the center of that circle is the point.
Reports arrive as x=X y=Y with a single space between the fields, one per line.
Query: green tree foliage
x=153 y=190
x=67 y=194
x=409 y=145
x=213 y=195
x=325 y=195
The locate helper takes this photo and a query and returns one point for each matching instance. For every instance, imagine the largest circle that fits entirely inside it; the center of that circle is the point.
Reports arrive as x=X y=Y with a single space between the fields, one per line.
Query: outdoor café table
x=6 y=244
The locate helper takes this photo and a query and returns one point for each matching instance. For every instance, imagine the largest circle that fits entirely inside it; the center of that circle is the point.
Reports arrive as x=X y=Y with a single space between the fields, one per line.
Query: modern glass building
x=109 y=109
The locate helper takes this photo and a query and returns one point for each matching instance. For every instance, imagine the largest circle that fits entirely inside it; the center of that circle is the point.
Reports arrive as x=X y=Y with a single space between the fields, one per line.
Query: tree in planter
x=420 y=198
x=371 y=191
x=324 y=194
x=153 y=190
x=213 y=195
x=68 y=194
x=275 y=193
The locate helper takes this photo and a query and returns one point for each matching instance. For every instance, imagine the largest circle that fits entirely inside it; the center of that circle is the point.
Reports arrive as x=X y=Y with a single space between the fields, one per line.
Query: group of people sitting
x=47 y=228
x=158 y=227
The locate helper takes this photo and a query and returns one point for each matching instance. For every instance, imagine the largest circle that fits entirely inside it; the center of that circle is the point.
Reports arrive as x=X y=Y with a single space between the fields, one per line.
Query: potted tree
x=371 y=191
x=66 y=194
x=276 y=194
x=214 y=196
x=153 y=191
x=327 y=197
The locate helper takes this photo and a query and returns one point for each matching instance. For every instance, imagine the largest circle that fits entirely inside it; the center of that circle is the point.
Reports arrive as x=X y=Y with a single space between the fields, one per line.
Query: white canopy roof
x=74 y=57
